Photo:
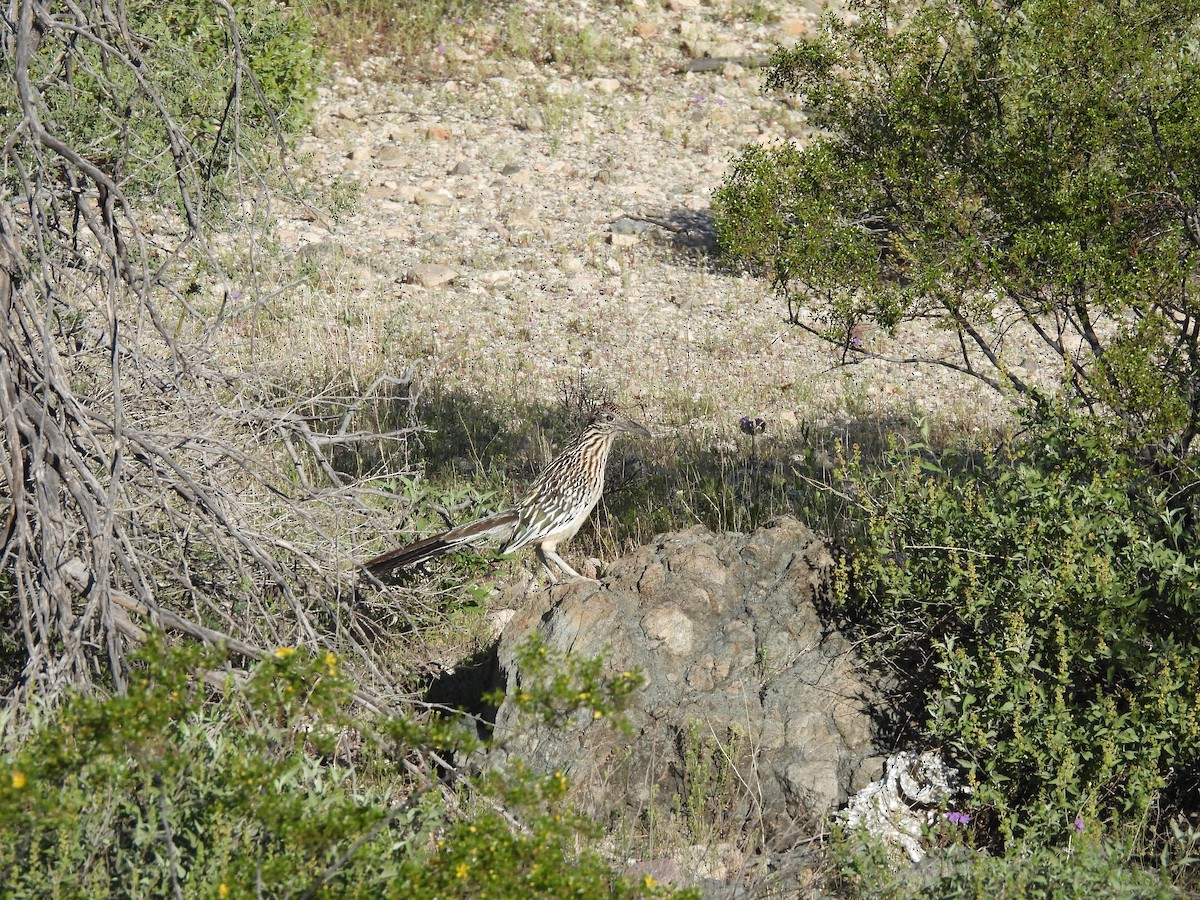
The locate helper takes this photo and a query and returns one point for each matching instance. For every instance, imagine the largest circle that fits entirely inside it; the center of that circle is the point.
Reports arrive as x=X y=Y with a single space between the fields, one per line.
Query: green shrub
x=1041 y=604
x=270 y=787
x=1090 y=869
x=1029 y=161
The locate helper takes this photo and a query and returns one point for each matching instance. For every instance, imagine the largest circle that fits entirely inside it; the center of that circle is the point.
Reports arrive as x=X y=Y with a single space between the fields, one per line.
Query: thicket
x=130 y=133
x=198 y=781
x=1010 y=172
x=1018 y=174
x=1039 y=603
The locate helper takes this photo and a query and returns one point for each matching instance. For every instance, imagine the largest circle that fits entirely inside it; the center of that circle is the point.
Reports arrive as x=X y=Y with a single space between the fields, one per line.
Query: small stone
x=408 y=192
x=613 y=267
x=531 y=120
x=440 y=197
x=437 y=133
x=606 y=85
x=464 y=167
x=390 y=154
x=430 y=275
x=622 y=240
x=358 y=154
x=625 y=225
x=510 y=169
x=646 y=29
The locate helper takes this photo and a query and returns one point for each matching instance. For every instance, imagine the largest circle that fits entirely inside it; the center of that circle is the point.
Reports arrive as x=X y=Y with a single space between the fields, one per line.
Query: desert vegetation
x=208 y=423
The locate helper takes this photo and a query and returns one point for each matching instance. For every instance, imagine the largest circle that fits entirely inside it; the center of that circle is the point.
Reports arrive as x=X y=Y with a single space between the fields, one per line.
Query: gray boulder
x=752 y=707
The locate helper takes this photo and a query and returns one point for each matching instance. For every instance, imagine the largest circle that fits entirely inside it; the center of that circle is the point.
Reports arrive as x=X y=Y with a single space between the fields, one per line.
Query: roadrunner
x=551 y=511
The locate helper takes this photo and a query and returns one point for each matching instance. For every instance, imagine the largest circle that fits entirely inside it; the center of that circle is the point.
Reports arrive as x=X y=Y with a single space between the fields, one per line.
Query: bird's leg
x=548 y=553
x=541 y=555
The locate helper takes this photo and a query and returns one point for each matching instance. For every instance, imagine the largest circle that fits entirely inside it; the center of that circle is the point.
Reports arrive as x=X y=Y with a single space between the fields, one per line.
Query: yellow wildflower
x=18 y=779
x=461 y=870
x=284 y=652
x=222 y=890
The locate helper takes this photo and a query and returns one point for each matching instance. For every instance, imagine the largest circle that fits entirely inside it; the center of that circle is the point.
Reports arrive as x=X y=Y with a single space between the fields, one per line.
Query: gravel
x=518 y=226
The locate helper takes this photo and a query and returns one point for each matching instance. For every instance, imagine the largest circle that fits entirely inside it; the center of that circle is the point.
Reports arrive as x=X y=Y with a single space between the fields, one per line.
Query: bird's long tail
x=497 y=526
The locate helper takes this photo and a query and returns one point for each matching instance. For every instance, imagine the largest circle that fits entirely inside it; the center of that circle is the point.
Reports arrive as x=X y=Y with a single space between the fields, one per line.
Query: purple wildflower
x=1079 y=824
x=958 y=818
x=752 y=426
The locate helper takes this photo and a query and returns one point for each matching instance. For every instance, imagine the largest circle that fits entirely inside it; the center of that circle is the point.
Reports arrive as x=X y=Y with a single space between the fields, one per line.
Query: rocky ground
x=512 y=224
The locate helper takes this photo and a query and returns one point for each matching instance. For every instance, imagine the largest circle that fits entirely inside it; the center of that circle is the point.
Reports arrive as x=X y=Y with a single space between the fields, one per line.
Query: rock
x=740 y=672
x=463 y=167
x=430 y=275
x=391 y=155
x=606 y=85
x=437 y=133
x=531 y=120
x=621 y=240
x=899 y=808
x=626 y=225
x=440 y=197
x=646 y=29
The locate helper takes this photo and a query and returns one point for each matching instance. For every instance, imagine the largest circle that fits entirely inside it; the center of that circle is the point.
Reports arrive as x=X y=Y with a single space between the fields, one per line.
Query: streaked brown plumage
x=551 y=511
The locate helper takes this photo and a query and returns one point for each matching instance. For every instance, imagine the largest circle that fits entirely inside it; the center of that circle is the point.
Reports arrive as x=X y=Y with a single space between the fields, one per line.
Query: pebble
x=430 y=275
x=440 y=197
x=625 y=225
x=392 y=156
x=437 y=133
x=531 y=120
x=646 y=29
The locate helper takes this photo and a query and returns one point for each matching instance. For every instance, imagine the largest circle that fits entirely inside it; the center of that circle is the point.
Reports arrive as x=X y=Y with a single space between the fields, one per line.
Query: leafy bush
x=1028 y=163
x=1090 y=869
x=274 y=785
x=177 y=78
x=1041 y=604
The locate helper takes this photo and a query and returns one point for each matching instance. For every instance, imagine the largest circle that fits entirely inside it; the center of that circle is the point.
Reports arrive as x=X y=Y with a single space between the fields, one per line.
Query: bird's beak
x=634 y=428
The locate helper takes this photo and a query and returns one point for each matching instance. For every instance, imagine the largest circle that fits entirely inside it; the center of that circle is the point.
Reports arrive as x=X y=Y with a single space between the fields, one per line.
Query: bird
x=548 y=514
